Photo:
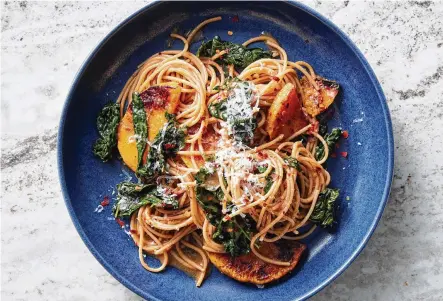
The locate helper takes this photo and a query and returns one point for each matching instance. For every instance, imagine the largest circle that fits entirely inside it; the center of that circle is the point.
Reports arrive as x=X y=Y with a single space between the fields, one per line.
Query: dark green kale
x=166 y=144
x=324 y=210
x=201 y=176
x=132 y=196
x=236 y=110
x=107 y=122
x=269 y=181
x=236 y=55
x=331 y=139
x=268 y=184
x=292 y=162
x=140 y=125
x=262 y=168
x=243 y=129
x=235 y=234
x=219 y=109
x=210 y=203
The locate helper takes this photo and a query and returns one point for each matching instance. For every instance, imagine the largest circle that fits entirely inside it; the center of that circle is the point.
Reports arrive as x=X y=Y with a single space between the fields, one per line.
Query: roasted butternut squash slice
x=157 y=100
x=250 y=268
x=285 y=116
x=316 y=101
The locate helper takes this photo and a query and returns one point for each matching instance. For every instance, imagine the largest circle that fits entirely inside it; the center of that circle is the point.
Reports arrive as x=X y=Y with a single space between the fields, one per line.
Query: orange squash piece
x=285 y=116
x=250 y=268
x=316 y=101
x=157 y=100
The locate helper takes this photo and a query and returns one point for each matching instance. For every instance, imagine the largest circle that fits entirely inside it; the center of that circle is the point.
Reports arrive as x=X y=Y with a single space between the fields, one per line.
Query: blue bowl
x=365 y=176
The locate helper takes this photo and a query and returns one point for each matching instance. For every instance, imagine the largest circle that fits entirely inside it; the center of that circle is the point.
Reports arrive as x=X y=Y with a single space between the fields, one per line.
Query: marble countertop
x=43 y=45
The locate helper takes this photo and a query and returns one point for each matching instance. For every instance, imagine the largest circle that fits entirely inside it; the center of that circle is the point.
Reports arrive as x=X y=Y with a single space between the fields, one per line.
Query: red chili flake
x=275 y=78
x=235 y=19
x=227 y=217
x=134 y=231
x=120 y=222
x=337 y=145
x=345 y=134
x=105 y=201
x=333 y=155
x=221 y=57
x=262 y=155
x=169 y=145
x=314 y=127
x=344 y=154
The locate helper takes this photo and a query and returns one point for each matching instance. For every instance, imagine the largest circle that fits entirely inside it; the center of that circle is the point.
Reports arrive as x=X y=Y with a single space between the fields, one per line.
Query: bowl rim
x=306 y=9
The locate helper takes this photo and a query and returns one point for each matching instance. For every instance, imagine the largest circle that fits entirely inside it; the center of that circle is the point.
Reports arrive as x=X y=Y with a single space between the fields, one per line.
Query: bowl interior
x=360 y=108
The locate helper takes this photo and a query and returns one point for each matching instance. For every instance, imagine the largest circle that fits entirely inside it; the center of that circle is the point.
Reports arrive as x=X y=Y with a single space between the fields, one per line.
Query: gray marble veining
x=44 y=43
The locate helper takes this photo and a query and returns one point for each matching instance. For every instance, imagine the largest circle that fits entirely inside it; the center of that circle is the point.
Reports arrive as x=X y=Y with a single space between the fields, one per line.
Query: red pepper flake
x=345 y=134
x=344 y=154
x=227 y=218
x=235 y=19
x=262 y=155
x=337 y=145
x=134 y=231
x=105 y=201
x=169 y=145
x=333 y=155
x=314 y=127
x=275 y=78
x=120 y=222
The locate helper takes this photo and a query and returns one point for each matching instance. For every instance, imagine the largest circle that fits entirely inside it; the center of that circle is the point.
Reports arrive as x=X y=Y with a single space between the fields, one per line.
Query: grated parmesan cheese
x=99 y=209
x=232 y=154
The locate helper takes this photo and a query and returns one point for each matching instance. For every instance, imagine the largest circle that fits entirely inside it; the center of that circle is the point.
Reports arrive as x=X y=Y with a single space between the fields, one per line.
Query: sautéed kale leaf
x=237 y=54
x=107 y=122
x=324 y=210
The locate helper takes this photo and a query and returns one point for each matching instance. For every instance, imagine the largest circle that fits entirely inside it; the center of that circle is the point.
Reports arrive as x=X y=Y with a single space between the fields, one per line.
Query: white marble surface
x=42 y=47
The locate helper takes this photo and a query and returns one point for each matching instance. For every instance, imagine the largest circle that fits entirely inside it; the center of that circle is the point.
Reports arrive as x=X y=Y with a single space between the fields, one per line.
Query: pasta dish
x=229 y=146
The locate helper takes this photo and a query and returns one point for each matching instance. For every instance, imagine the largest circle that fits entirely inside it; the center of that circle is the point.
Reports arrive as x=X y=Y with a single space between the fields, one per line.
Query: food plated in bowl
x=228 y=143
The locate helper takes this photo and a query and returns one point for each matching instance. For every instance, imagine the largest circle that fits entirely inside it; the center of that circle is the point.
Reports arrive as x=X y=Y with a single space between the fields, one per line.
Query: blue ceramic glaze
x=365 y=176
